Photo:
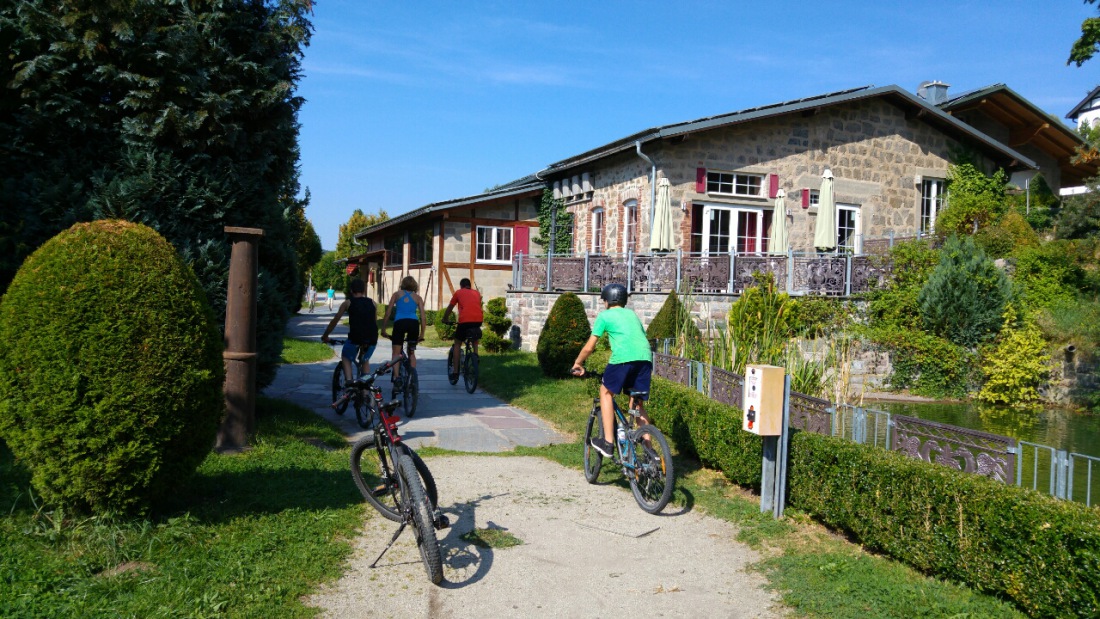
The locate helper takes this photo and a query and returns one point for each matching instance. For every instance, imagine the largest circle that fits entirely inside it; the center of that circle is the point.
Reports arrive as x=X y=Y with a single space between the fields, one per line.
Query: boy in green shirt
x=631 y=362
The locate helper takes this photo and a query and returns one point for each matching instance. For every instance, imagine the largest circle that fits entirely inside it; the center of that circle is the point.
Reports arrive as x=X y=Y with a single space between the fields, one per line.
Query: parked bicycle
x=359 y=400
x=395 y=480
x=468 y=363
x=641 y=452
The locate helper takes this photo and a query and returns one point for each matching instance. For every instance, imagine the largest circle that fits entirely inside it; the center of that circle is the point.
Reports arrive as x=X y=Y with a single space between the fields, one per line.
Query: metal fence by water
x=1062 y=474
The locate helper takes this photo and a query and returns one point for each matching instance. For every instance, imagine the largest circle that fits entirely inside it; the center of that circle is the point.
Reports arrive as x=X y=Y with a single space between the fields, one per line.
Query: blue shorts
x=627 y=377
x=351 y=349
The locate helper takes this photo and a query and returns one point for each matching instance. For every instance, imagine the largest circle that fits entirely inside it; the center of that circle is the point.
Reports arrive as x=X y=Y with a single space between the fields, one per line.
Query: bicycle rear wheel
x=338 y=388
x=375 y=475
x=469 y=372
x=412 y=392
x=652 y=479
x=422 y=521
x=592 y=458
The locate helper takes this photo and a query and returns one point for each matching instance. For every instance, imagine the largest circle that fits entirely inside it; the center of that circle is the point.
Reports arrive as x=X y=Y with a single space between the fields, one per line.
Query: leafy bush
x=976 y=200
x=672 y=321
x=820 y=316
x=1079 y=217
x=1037 y=551
x=1016 y=365
x=1009 y=235
x=895 y=306
x=1038 y=208
x=111 y=370
x=564 y=334
x=965 y=294
x=498 y=323
x=759 y=325
x=1047 y=275
x=925 y=364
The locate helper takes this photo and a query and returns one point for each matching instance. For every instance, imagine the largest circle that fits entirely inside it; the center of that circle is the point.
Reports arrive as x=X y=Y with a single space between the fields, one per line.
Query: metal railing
x=835 y=275
x=1064 y=475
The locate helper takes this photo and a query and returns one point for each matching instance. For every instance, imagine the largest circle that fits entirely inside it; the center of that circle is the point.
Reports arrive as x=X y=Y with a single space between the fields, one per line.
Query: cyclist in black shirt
x=363 y=328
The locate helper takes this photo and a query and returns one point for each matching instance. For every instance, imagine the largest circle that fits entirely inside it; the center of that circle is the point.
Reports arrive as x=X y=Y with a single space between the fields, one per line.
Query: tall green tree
x=1086 y=45
x=965 y=295
x=178 y=115
x=346 y=244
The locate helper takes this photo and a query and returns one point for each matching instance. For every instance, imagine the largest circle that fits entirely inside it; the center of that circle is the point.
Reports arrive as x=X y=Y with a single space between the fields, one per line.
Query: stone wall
x=873 y=150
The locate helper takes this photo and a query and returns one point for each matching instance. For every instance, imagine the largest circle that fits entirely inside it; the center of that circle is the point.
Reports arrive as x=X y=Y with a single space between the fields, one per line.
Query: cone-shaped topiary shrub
x=564 y=334
x=672 y=320
x=111 y=371
x=498 y=323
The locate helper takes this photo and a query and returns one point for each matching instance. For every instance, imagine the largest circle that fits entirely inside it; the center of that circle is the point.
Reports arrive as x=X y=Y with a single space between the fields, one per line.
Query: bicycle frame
x=620 y=421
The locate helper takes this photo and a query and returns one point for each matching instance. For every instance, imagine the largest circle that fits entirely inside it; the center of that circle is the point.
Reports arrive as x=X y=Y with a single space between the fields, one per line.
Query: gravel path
x=587 y=551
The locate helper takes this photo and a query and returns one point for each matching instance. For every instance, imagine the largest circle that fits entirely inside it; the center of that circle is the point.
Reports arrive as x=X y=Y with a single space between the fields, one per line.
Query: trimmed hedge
x=111 y=368
x=1039 y=552
x=563 y=335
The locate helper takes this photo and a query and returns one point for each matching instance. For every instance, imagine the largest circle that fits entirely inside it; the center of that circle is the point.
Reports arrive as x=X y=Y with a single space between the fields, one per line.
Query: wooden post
x=240 y=341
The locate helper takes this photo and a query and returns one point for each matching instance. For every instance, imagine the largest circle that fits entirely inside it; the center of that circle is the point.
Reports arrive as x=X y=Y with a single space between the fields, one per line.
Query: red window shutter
x=700 y=180
x=805 y=198
x=521 y=239
x=773 y=185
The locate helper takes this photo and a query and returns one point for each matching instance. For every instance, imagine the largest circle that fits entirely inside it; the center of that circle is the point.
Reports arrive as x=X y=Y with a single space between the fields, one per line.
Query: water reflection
x=1054 y=427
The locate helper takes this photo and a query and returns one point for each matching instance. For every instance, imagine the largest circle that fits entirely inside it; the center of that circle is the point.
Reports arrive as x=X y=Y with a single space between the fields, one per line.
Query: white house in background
x=1088 y=110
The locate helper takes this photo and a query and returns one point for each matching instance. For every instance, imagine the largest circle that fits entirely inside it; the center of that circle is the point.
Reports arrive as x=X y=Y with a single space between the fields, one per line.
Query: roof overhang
x=914 y=106
x=525 y=187
x=1028 y=125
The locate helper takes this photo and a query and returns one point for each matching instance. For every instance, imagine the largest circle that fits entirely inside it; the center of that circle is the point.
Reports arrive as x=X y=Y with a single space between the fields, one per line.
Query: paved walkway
x=446 y=415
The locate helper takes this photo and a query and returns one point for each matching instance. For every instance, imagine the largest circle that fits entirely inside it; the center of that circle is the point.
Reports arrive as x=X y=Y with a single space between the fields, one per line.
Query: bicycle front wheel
x=338 y=388
x=422 y=521
x=469 y=372
x=375 y=475
x=412 y=392
x=592 y=458
x=364 y=409
x=652 y=478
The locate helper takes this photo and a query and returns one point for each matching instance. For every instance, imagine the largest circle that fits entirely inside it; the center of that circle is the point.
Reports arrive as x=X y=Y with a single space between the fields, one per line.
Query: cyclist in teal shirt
x=631 y=362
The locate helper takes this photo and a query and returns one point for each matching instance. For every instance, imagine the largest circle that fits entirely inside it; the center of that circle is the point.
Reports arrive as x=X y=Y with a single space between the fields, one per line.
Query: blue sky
x=414 y=102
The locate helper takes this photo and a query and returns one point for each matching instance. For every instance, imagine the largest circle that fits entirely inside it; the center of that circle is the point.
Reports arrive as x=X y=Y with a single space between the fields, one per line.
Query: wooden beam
x=1023 y=135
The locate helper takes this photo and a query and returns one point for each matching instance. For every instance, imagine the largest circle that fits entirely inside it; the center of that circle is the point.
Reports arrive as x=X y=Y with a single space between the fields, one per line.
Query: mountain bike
x=468 y=363
x=395 y=480
x=340 y=404
x=406 y=384
x=641 y=452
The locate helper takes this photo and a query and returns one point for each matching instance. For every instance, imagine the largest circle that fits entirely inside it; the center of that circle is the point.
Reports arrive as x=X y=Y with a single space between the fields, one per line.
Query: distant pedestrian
x=311 y=297
x=331 y=296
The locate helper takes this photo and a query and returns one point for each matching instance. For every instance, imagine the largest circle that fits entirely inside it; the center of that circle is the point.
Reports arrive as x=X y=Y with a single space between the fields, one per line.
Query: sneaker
x=453 y=377
x=601 y=446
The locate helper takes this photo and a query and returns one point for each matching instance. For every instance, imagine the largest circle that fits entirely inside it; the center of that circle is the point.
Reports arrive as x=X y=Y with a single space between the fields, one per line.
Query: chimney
x=933 y=92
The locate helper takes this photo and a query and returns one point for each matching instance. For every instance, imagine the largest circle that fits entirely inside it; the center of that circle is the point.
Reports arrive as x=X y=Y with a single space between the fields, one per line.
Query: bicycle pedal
x=380 y=490
x=442 y=522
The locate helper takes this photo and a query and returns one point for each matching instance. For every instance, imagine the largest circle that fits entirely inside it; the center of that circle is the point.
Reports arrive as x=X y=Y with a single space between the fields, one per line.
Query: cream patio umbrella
x=825 y=229
x=660 y=237
x=779 y=243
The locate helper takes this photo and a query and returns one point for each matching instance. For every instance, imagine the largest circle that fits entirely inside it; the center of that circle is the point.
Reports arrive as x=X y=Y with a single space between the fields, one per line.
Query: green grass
x=816 y=572
x=247 y=537
x=301 y=351
x=491 y=538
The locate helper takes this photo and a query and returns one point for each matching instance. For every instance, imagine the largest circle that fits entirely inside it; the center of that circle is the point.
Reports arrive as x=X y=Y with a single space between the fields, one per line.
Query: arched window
x=630 y=226
x=597 y=231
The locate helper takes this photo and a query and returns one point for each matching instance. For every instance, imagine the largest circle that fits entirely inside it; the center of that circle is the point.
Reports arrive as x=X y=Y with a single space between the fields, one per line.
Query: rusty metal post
x=240 y=340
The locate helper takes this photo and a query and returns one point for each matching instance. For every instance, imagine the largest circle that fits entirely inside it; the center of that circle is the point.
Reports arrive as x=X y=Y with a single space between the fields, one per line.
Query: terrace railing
x=834 y=275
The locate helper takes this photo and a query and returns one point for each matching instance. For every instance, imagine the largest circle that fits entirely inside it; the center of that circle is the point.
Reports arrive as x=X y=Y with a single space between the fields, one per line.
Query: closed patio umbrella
x=779 y=243
x=825 y=229
x=660 y=237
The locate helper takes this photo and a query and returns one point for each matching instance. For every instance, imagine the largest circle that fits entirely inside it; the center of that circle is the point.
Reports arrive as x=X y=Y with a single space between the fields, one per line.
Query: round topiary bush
x=564 y=334
x=498 y=323
x=111 y=371
x=672 y=320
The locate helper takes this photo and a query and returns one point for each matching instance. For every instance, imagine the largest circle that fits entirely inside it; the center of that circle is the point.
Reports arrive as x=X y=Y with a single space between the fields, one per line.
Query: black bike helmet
x=615 y=294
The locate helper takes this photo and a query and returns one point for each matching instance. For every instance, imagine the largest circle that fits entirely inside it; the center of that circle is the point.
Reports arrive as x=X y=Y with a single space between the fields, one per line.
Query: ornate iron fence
x=966 y=450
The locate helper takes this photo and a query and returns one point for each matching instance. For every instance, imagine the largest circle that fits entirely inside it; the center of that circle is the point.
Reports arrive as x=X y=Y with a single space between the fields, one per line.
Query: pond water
x=1054 y=427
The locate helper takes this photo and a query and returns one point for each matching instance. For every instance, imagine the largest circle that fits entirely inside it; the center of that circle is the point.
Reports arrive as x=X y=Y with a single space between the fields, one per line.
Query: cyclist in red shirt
x=470 y=317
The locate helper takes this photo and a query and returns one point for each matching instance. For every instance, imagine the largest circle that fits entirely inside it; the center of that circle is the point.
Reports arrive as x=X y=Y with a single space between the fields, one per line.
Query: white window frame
x=855 y=246
x=630 y=226
x=734 y=233
x=599 y=232
x=735 y=183
x=498 y=242
x=932 y=201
